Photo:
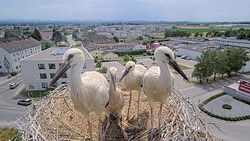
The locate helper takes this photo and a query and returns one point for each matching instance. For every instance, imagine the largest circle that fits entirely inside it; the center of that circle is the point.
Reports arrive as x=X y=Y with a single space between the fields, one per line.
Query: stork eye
x=168 y=56
x=70 y=56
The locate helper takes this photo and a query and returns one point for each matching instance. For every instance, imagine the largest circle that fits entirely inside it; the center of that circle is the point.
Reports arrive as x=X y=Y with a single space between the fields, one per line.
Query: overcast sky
x=124 y=10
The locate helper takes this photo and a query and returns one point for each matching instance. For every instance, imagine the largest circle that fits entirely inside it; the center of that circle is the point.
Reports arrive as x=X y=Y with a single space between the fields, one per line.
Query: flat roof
x=233 y=40
x=55 y=53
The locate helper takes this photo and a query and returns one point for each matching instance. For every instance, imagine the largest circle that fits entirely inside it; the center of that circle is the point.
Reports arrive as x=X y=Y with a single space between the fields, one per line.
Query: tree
x=237 y=58
x=98 y=64
x=116 y=39
x=222 y=63
x=133 y=59
x=241 y=35
x=47 y=45
x=201 y=34
x=103 y=69
x=57 y=36
x=227 y=33
x=126 y=58
x=196 y=34
x=36 y=35
x=208 y=34
x=139 y=38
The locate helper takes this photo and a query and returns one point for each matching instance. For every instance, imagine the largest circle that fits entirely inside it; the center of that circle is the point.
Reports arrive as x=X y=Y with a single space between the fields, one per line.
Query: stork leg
x=107 y=126
x=138 y=106
x=129 y=104
x=100 y=130
x=159 y=117
x=90 y=130
x=152 y=122
x=120 y=125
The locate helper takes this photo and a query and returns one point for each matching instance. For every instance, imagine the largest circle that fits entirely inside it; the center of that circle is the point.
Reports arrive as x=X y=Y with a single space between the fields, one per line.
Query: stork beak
x=124 y=74
x=63 y=68
x=113 y=79
x=178 y=69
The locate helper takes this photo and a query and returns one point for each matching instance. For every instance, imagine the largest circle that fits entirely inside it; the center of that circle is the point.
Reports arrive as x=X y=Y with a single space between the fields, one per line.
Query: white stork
x=158 y=82
x=116 y=99
x=132 y=79
x=89 y=91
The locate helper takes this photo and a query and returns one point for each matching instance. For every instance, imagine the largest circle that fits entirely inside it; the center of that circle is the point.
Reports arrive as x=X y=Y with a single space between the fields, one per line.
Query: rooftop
x=233 y=40
x=18 y=45
x=55 y=53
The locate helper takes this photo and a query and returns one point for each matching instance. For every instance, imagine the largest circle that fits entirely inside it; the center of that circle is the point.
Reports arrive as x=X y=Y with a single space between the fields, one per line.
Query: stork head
x=112 y=73
x=72 y=57
x=166 y=55
x=130 y=66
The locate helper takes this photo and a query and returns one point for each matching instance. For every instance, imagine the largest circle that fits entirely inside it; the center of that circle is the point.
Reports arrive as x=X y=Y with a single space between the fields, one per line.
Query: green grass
x=34 y=94
x=181 y=66
x=9 y=134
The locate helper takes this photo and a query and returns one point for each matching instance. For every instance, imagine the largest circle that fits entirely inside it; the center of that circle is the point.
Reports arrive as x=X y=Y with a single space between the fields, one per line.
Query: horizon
x=136 y=10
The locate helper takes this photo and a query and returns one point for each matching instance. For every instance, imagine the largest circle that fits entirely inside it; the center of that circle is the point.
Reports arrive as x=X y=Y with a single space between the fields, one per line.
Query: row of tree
x=240 y=33
x=176 y=33
x=219 y=62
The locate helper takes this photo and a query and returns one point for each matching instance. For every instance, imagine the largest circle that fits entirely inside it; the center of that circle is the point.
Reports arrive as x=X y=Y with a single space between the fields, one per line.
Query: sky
x=127 y=10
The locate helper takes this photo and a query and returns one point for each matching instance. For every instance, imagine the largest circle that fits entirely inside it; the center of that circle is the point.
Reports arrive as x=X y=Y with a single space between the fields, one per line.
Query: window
x=0 y=67
x=17 y=53
x=14 y=54
x=41 y=66
x=14 y=60
x=19 y=66
x=43 y=76
x=52 y=66
x=16 y=67
x=44 y=85
x=84 y=66
x=52 y=75
x=63 y=82
x=64 y=75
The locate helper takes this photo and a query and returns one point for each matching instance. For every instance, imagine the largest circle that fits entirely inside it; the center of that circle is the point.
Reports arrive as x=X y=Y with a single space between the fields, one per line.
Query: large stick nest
x=54 y=118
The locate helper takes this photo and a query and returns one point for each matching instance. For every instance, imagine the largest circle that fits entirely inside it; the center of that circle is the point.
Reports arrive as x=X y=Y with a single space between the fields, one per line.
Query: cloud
x=170 y=10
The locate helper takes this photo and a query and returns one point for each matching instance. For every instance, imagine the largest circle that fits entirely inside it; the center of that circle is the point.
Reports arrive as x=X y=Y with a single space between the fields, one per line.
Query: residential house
x=39 y=69
x=96 y=53
x=109 y=56
x=139 y=47
x=12 y=52
x=46 y=36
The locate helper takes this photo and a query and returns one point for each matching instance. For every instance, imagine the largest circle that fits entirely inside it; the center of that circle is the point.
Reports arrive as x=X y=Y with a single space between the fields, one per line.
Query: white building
x=38 y=69
x=139 y=47
x=11 y=53
x=233 y=42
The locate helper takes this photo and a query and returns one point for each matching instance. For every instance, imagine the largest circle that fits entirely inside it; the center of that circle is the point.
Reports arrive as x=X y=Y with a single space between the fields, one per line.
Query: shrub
x=227 y=106
x=126 y=58
x=13 y=73
x=103 y=69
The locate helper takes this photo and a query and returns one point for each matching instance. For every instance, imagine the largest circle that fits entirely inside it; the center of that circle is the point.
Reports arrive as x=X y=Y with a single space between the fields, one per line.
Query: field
x=195 y=29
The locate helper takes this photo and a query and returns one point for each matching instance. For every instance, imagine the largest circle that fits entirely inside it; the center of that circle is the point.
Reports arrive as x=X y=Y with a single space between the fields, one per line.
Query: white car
x=14 y=85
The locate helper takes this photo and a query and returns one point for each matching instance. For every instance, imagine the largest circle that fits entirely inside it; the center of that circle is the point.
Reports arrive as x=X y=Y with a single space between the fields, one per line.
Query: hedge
x=130 y=53
x=218 y=116
x=227 y=106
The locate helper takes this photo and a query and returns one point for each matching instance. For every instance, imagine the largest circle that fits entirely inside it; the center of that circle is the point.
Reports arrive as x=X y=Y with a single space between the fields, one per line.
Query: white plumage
x=132 y=79
x=116 y=99
x=158 y=82
x=89 y=91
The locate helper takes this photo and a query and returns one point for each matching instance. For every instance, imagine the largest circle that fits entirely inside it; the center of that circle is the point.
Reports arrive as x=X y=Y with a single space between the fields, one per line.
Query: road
x=9 y=110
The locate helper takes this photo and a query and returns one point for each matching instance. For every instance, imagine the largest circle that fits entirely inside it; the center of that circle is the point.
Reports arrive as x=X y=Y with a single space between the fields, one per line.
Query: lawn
x=9 y=134
x=34 y=94
x=195 y=29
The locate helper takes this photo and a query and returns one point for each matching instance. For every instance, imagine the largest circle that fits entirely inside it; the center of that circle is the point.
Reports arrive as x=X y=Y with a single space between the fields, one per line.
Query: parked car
x=14 y=85
x=24 y=102
x=184 y=57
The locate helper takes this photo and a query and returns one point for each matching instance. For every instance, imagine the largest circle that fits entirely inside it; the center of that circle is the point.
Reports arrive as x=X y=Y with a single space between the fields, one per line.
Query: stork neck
x=111 y=88
x=164 y=70
x=75 y=76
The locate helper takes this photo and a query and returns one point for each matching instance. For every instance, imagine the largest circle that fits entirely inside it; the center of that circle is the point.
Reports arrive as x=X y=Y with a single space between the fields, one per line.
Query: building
x=46 y=36
x=233 y=42
x=109 y=56
x=139 y=47
x=12 y=52
x=38 y=69
x=96 y=53
x=239 y=90
x=191 y=51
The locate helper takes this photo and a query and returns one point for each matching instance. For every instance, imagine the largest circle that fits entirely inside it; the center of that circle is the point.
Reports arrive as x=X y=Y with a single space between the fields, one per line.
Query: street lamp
x=38 y=86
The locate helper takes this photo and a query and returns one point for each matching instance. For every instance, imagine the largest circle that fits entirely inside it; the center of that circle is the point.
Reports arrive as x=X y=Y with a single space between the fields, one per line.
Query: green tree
x=47 y=45
x=222 y=63
x=237 y=58
x=201 y=34
x=241 y=35
x=36 y=35
x=116 y=39
x=227 y=33
x=133 y=59
x=126 y=58
x=208 y=34
x=196 y=34
x=103 y=69
x=139 y=38
x=98 y=64
x=57 y=36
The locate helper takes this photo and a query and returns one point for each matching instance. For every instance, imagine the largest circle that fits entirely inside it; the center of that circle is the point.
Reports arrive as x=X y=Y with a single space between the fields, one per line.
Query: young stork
x=132 y=79
x=89 y=91
x=116 y=99
x=158 y=82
